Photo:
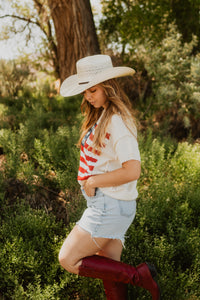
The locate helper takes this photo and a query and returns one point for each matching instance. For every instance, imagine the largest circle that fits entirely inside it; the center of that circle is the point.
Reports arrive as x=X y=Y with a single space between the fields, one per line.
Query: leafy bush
x=14 y=75
x=165 y=232
x=38 y=111
x=166 y=228
x=39 y=149
x=174 y=104
x=41 y=153
x=123 y=22
x=43 y=136
x=30 y=241
x=50 y=151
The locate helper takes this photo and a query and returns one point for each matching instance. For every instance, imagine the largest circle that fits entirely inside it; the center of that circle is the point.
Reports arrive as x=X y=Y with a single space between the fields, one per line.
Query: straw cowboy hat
x=92 y=70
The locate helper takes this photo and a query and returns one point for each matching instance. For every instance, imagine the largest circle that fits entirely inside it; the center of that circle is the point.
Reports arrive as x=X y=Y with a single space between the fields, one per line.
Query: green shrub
x=14 y=76
x=50 y=151
x=30 y=241
x=45 y=131
x=166 y=228
x=40 y=144
x=173 y=105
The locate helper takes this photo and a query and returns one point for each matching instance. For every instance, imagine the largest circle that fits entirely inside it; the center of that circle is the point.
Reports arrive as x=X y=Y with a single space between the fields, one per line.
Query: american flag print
x=88 y=155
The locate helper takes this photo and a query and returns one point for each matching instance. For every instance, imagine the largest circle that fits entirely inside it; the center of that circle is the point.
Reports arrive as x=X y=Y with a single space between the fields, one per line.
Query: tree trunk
x=75 y=33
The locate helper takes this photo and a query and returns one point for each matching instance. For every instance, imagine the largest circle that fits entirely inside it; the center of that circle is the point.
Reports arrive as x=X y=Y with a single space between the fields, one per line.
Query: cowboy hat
x=92 y=70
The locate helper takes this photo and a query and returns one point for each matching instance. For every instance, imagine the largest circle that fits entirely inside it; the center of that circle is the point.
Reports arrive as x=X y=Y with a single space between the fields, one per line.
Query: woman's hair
x=118 y=103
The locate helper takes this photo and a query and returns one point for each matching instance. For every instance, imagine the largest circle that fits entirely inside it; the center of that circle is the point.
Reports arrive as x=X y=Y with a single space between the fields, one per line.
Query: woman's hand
x=129 y=171
x=88 y=188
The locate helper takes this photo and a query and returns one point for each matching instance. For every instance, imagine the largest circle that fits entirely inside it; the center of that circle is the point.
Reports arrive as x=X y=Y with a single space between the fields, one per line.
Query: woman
x=108 y=173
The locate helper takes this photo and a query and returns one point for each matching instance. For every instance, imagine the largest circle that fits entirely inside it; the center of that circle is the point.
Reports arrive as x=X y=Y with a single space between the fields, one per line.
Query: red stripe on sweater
x=82 y=170
x=83 y=178
x=88 y=147
x=90 y=158
x=107 y=135
x=82 y=159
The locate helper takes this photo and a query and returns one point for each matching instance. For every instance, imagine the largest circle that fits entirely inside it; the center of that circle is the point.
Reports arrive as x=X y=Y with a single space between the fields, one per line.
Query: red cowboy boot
x=107 y=269
x=115 y=290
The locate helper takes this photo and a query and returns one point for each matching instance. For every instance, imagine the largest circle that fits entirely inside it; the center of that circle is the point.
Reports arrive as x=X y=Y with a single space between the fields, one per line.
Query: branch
x=28 y=20
x=21 y=18
x=22 y=30
x=39 y=6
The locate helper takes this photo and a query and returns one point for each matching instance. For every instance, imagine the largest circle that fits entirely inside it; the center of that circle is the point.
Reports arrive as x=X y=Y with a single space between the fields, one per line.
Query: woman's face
x=96 y=96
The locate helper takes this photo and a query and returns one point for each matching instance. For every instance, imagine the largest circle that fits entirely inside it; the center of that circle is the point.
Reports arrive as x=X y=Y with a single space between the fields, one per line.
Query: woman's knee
x=63 y=259
x=66 y=261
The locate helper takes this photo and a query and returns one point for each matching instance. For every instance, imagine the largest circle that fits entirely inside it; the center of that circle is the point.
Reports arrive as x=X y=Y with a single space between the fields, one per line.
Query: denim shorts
x=107 y=217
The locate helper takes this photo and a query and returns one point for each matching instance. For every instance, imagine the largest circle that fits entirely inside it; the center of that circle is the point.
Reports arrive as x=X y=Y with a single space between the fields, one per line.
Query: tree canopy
x=126 y=21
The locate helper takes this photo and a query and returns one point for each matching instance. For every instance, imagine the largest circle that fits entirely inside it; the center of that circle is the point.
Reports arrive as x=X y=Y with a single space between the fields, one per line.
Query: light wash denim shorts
x=107 y=217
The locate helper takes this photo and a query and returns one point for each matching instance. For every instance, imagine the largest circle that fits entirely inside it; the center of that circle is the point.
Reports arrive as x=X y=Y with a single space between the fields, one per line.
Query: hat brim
x=72 y=87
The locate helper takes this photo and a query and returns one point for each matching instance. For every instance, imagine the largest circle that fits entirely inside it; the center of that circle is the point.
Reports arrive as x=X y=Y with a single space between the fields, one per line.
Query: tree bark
x=75 y=33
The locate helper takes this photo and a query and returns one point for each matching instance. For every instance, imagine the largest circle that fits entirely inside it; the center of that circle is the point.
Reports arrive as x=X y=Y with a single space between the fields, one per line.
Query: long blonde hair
x=118 y=103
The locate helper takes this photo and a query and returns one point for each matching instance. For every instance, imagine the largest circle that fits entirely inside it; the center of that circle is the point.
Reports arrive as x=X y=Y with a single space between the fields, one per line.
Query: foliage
x=30 y=241
x=46 y=138
x=166 y=228
x=40 y=153
x=165 y=232
x=38 y=134
x=39 y=143
x=14 y=76
x=174 y=102
x=126 y=21
x=28 y=250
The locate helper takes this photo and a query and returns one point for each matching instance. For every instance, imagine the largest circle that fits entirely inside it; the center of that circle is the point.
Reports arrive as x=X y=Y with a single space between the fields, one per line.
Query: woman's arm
x=129 y=171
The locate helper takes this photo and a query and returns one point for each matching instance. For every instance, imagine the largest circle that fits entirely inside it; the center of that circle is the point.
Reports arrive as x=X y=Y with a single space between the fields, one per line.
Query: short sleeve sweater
x=119 y=146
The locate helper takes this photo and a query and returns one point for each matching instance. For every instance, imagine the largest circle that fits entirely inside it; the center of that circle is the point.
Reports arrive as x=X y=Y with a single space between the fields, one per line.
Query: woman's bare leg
x=77 y=255
x=112 y=249
x=79 y=244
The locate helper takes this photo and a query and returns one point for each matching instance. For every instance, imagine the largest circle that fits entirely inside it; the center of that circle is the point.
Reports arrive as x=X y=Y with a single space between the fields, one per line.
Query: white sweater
x=120 y=146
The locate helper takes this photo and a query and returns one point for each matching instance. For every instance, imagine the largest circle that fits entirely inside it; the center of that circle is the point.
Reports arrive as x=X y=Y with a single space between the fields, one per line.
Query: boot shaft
x=107 y=269
x=115 y=290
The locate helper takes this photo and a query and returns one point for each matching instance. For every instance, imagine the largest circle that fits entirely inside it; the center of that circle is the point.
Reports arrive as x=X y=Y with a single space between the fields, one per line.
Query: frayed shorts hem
x=107 y=217
x=102 y=236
